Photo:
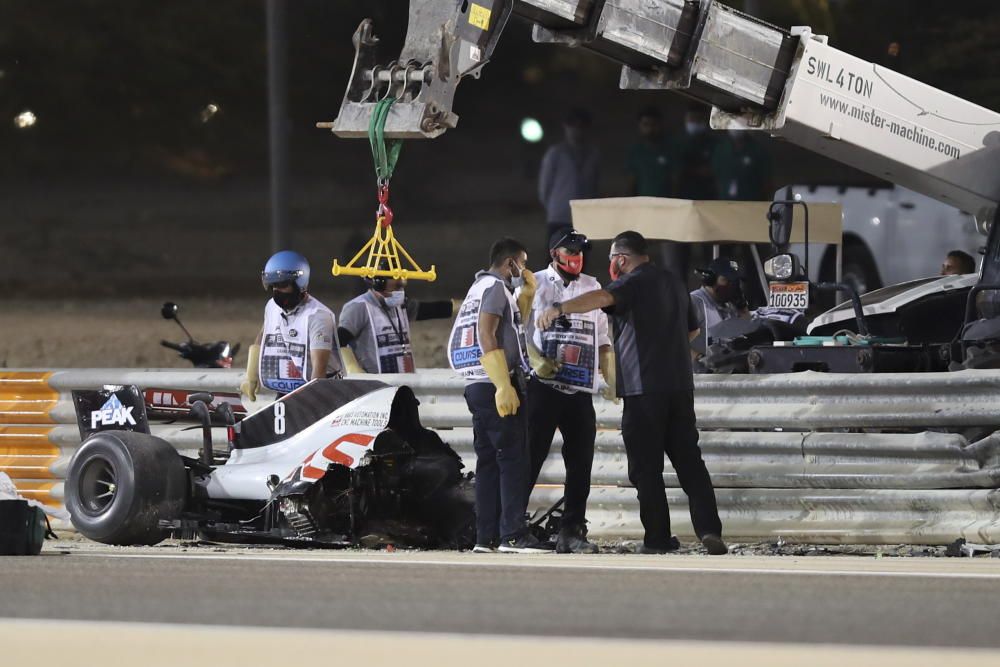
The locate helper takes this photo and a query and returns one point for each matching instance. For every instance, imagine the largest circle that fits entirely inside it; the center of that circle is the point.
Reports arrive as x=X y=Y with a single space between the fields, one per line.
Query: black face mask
x=288 y=300
x=730 y=293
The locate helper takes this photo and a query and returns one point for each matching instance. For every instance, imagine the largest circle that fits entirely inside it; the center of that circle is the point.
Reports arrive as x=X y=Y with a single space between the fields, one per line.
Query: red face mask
x=571 y=264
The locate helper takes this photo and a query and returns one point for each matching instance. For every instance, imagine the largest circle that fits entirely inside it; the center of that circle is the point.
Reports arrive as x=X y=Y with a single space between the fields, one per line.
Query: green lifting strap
x=384 y=153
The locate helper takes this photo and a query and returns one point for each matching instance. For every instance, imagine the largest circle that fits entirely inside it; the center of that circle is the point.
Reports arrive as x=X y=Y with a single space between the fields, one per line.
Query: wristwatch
x=558 y=306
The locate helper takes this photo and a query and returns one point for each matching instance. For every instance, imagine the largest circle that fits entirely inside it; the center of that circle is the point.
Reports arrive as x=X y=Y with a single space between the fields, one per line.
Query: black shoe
x=484 y=549
x=673 y=545
x=524 y=544
x=714 y=545
x=574 y=541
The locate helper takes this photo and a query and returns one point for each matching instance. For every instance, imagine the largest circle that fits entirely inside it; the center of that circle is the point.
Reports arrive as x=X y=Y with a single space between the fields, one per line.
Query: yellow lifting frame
x=383 y=249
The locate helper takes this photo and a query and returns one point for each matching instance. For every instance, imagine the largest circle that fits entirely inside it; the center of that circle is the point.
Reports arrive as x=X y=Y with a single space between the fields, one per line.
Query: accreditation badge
x=575 y=348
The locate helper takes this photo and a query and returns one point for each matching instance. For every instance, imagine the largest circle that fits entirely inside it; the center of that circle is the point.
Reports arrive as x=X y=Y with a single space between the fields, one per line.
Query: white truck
x=891 y=234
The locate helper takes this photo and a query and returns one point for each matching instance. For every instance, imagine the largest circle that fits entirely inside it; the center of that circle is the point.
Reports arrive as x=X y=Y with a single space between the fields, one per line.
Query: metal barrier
x=776 y=472
x=817 y=516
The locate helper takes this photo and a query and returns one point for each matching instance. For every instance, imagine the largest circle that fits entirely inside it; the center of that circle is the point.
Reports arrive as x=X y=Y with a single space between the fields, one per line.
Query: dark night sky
x=122 y=83
x=119 y=88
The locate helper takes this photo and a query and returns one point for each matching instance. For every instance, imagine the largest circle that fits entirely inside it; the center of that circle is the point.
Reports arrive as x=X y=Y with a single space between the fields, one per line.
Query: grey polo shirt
x=354 y=318
x=708 y=312
x=495 y=302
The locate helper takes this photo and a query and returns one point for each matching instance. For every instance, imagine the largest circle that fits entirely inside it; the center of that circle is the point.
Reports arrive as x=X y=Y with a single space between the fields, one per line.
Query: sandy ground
x=127 y=333
x=156 y=644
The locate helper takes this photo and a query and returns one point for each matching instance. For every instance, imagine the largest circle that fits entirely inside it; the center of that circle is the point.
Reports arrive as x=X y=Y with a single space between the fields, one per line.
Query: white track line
x=563 y=563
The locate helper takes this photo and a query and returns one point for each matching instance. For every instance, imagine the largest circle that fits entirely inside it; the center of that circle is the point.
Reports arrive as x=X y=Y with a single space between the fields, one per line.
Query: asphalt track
x=830 y=602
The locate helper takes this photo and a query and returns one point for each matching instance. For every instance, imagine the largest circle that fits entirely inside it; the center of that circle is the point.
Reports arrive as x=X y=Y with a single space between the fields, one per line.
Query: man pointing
x=653 y=327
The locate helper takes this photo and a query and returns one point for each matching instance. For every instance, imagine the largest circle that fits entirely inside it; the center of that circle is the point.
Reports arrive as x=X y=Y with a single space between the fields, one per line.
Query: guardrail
x=777 y=472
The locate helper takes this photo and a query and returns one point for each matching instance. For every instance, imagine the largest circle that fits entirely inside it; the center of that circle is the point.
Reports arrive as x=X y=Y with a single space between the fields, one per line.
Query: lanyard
x=397 y=326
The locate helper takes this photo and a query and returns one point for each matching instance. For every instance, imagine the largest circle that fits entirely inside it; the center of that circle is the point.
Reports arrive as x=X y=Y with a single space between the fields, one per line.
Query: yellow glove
x=527 y=294
x=351 y=364
x=506 y=398
x=543 y=366
x=607 y=363
x=251 y=383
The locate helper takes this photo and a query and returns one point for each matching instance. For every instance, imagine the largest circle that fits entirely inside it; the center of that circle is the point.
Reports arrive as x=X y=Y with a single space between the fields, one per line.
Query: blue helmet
x=285 y=266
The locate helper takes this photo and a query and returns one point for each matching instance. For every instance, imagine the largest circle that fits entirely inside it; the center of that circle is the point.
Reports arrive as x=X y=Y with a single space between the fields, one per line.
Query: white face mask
x=396 y=298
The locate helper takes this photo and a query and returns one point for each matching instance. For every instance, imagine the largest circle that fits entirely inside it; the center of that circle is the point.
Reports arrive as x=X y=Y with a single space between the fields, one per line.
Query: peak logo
x=112 y=413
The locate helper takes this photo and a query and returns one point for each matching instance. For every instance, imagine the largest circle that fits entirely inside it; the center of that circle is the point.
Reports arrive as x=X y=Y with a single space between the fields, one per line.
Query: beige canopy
x=690 y=221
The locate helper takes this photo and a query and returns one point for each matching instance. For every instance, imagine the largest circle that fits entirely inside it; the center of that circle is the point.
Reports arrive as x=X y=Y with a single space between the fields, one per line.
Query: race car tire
x=121 y=484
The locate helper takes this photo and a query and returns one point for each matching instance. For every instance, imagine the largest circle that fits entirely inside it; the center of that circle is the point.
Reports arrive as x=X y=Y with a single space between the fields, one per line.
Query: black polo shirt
x=652 y=317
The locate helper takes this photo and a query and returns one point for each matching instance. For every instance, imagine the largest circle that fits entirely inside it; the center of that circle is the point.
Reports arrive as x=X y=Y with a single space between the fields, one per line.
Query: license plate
x=789 y=295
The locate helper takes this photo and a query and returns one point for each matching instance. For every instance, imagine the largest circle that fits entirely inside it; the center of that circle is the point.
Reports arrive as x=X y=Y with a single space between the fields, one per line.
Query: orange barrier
x=50 y=493
x=27 y=452
x=26 y=398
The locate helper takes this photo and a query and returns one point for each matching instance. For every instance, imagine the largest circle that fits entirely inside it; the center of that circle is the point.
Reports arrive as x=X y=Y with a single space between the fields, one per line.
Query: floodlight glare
x=209 y=112
x=24 y=120
x=531 y=130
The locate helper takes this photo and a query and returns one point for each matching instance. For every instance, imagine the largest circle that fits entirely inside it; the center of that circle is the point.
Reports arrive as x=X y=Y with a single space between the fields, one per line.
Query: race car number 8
x=279 y=418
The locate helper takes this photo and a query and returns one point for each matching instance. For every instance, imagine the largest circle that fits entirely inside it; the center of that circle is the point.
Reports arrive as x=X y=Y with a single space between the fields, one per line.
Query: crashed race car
x=334 y=463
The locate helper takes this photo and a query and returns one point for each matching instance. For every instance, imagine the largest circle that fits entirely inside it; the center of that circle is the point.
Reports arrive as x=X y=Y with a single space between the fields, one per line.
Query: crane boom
x=791 y=84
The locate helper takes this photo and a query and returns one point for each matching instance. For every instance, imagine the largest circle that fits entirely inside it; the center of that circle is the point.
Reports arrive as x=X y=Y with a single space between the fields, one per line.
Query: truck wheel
x=859 y=268
x=122 y=484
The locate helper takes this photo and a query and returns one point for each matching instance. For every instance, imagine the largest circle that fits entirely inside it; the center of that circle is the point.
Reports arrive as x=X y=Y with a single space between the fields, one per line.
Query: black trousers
x=573 y=415
x=654 y=424
x=501 y=466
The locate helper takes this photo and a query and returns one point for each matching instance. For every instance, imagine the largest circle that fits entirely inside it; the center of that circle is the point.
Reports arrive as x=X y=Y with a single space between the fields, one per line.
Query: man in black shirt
x=653 y=327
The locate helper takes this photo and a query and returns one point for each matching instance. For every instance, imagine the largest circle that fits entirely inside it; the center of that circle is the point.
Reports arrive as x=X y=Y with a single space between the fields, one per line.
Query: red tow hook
x=384 y=213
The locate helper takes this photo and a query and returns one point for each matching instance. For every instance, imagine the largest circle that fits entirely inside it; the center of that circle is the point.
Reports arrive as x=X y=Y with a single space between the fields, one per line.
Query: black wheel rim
x=98 y=486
